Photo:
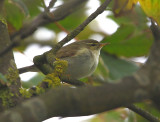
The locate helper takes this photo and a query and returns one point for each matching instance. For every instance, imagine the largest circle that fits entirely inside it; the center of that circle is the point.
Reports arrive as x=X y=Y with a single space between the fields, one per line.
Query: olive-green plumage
x=82 y=57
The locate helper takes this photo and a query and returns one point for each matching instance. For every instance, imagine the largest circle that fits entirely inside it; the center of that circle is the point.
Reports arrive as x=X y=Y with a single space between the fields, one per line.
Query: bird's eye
x=93 y=44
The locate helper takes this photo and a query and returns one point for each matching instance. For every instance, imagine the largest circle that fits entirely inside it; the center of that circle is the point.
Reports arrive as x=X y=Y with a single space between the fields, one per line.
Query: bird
x=82 y=57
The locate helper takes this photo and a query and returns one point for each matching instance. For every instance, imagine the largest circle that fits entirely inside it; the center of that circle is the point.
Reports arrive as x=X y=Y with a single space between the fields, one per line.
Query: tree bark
x=4 y=42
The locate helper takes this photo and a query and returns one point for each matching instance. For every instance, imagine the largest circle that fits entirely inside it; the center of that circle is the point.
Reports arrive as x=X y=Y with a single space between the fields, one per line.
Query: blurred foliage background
x=132 y=39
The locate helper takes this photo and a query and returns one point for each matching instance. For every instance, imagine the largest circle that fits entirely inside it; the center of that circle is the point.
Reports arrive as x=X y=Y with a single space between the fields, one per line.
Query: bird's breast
x=83 y=64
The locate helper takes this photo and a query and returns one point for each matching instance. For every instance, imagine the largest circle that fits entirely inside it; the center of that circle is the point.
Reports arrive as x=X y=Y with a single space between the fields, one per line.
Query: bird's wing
x=65 y=52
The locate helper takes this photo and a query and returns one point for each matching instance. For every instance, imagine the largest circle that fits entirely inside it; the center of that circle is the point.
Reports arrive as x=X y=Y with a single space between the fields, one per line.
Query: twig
x=154 y=58
x=47 y=10
x=61 y=27
x=51 y=4
x=60 y=13
x=1 y=5
x=74 y=82
x=155 y=31
x=143 y=113
x=76 y=31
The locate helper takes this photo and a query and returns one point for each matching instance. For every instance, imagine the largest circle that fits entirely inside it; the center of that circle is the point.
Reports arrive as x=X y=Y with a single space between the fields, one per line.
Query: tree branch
x=91 y=100
x=51 y=4
x=153 y=63
x=74 y=82
x=60 y=13
x=65 y=101
x=81 y=27
x=4 y=41
x=9 y=92
x=1 y=5
x=143 y=113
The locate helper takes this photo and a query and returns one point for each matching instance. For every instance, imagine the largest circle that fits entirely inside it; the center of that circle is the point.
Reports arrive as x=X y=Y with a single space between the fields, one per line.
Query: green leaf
x=71 y=21
x=117 y=67
x=121 y=7
x=136 y=17
x=3 y=78
x=21 y=6
x=33 y=7
x=110 y=116
x=18 y=11
x=14 y=15
x=133 y=38
x=128 y=41
x=34 y=81
x=102 y=70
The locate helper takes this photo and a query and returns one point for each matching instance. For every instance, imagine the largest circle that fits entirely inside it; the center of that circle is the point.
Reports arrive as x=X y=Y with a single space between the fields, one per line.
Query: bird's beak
x=103 y=44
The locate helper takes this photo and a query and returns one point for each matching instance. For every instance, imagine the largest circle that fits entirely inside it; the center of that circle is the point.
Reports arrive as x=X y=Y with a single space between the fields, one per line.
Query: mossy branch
x=51 y=80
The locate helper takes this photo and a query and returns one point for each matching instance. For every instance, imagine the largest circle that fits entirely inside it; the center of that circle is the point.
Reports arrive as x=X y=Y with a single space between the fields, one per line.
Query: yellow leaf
x=151 y=8
x=123 y=6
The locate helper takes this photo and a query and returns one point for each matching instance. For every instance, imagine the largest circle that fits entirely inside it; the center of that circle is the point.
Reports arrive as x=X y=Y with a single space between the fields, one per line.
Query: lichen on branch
x=51 y=80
